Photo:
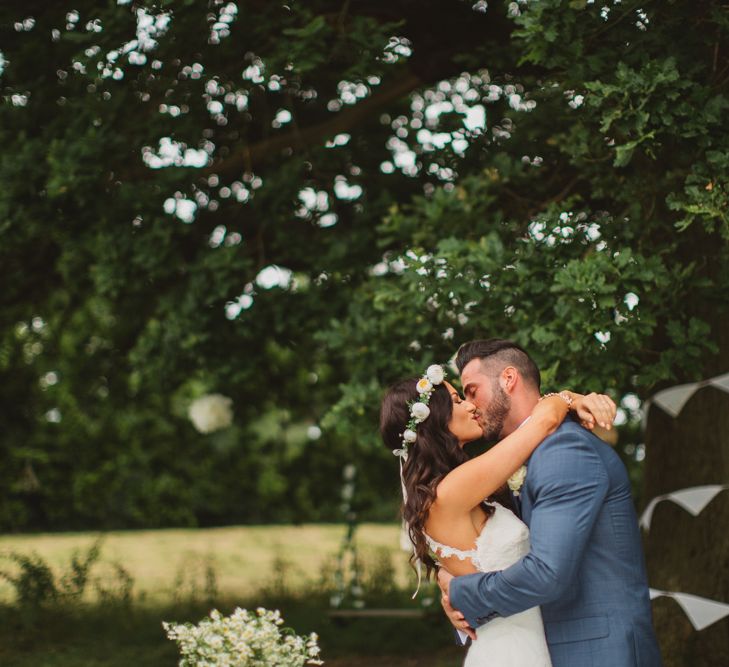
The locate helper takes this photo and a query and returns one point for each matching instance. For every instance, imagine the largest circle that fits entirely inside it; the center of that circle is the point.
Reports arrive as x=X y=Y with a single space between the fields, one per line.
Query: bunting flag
x=702 y=612
x=693 y=500
x=673 y=399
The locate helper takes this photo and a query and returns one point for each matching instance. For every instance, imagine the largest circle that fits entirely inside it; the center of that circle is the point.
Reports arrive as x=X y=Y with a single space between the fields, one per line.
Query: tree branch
x=298 y=138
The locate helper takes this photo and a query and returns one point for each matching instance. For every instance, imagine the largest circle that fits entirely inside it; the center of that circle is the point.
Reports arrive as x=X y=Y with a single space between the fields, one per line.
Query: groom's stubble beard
x=493 y=417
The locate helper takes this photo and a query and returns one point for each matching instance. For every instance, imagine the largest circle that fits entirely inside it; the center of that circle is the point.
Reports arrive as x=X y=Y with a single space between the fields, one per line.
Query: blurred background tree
x=295 y=204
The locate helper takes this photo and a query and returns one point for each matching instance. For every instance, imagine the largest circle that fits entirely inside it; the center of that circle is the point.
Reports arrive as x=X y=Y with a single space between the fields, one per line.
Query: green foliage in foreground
x=422 y=172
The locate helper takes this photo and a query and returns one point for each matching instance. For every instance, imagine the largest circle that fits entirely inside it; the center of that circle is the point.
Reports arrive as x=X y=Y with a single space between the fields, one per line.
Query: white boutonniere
x=516 y=481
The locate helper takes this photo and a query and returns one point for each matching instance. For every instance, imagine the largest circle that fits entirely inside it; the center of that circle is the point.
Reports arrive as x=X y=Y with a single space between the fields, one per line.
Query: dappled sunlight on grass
x=115 y=618
x=241 y=556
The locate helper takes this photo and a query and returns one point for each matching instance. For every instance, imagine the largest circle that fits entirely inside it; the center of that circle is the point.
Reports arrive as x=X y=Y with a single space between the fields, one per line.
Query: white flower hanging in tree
x=211 y=413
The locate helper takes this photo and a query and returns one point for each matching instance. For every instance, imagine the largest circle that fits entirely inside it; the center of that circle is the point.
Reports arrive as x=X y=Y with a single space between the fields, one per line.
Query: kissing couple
x=560 y=580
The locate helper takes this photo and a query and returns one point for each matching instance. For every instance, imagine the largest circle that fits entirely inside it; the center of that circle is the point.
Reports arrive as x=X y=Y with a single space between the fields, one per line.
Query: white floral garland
x=419 y=410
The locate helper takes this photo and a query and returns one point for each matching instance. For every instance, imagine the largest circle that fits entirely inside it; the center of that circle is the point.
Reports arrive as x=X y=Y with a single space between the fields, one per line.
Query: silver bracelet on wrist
x=563 y=395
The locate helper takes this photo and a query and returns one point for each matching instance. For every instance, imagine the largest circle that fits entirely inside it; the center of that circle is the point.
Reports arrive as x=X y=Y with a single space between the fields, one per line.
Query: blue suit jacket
x=585 y=567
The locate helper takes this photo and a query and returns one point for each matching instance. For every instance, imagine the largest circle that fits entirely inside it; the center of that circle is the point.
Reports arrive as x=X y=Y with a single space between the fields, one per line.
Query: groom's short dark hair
x=501 y=350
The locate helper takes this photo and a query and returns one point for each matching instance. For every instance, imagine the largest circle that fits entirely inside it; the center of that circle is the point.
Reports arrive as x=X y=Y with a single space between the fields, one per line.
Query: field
x=180 y=574
x=242 y=557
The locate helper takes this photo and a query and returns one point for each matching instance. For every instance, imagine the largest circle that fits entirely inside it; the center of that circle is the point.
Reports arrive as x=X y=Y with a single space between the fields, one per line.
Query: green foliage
x=119 y=630
x=195 y=581
x=600 y=172
x=35 y=585
x=38 y=588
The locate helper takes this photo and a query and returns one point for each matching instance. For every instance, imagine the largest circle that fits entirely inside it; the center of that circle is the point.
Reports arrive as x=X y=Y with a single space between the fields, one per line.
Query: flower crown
x=419 y=410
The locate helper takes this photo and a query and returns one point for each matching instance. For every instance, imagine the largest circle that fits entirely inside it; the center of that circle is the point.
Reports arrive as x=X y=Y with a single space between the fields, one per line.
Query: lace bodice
x=444 y=551
x=503 y=540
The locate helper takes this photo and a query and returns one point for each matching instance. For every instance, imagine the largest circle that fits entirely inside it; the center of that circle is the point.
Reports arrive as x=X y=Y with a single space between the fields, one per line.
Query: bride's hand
x=594 y=409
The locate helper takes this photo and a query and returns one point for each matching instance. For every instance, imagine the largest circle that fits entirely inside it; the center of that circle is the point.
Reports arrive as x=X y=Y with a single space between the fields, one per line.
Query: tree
x=422 y=173
x=595 y=234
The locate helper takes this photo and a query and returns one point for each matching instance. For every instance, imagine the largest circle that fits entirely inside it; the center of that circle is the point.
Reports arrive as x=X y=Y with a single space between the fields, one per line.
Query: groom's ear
x=508 y=379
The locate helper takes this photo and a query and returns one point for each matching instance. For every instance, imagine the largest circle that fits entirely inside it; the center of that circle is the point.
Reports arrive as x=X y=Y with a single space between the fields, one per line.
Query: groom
x=585 y=567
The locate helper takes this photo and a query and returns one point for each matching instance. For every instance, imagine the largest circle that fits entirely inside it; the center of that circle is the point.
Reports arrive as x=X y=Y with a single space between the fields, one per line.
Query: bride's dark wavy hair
x=435 y=452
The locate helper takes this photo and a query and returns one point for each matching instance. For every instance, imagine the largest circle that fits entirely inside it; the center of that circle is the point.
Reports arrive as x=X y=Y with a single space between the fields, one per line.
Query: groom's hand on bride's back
x=454 y=616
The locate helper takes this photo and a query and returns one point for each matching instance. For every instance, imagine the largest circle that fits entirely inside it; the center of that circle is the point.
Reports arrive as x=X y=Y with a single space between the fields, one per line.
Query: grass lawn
x=168 y=568
x=242 y=556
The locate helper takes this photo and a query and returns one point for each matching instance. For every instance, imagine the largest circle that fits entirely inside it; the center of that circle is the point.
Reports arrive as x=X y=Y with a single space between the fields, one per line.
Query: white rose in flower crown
x=409 y=435
x=211 y=413
x=516 y=481
x=424 y=385
x=420 y=411
x=435 y=374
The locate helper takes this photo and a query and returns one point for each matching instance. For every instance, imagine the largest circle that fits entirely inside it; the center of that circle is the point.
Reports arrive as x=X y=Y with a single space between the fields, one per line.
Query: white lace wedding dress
x=511 y=641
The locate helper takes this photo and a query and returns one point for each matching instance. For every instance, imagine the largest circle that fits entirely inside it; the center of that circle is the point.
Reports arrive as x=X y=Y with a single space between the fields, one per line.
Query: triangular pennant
x=655 y=593
x=672 y=400
x=645 y=518
x=694 y=500
x=720 y=382
x=702 y=612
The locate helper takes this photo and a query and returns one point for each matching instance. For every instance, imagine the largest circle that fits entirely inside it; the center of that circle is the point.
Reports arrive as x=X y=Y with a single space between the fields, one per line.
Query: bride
x=448 y=505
